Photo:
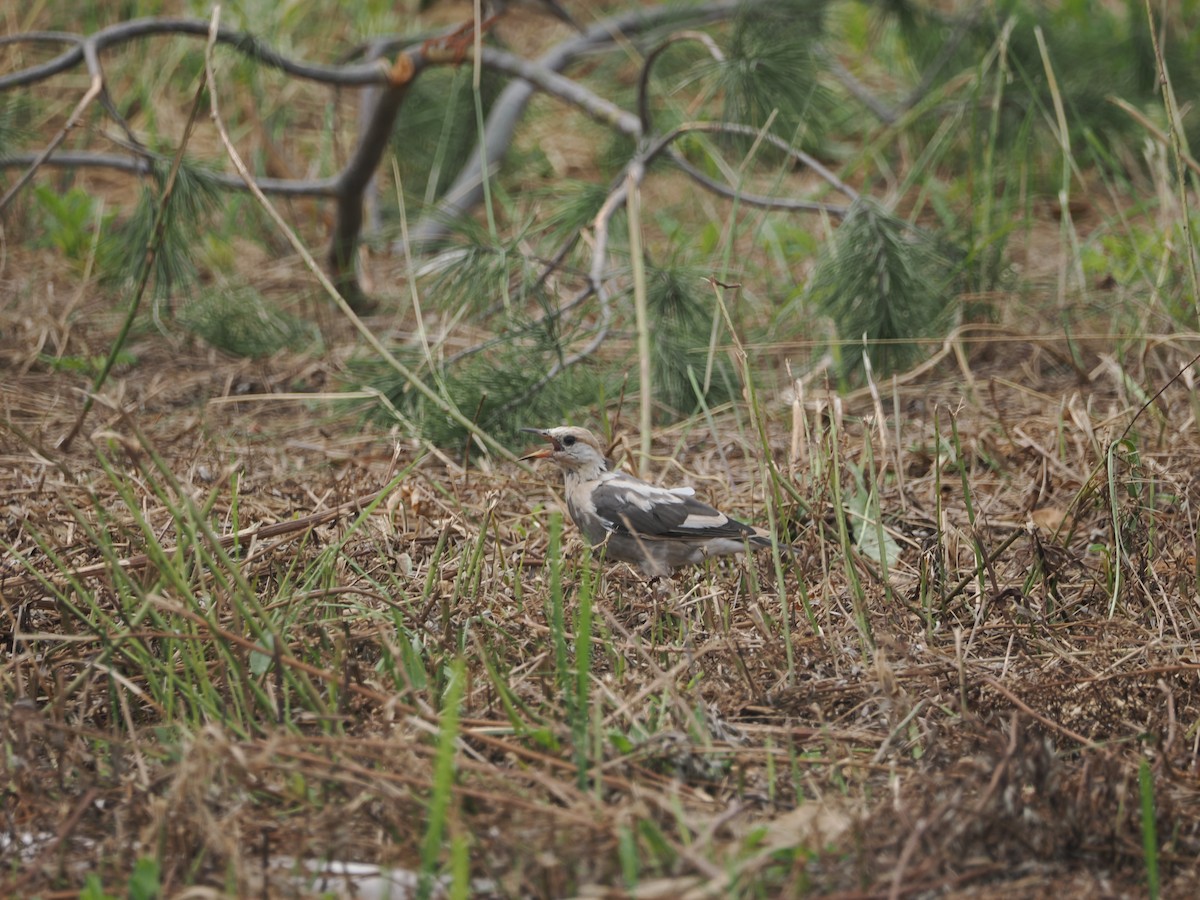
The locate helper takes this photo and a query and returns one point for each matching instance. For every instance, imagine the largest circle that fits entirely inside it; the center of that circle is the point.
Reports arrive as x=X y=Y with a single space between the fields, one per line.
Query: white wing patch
x=703 y=523
x=647 y=496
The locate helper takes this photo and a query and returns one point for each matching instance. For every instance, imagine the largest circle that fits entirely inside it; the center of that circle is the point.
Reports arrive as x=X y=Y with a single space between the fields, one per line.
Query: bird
x=660 y=529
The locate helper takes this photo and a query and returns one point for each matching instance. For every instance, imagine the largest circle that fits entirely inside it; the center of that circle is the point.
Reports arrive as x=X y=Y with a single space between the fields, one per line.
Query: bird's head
x=573 y=449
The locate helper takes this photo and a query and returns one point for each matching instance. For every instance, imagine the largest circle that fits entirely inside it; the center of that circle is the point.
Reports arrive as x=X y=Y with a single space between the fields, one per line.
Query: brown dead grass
x=986 y=746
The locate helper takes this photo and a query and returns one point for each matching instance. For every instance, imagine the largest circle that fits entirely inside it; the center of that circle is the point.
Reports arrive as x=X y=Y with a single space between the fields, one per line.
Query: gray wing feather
x=635 y=508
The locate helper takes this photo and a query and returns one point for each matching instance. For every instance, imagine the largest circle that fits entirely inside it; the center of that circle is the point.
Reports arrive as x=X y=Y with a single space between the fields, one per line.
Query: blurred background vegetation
x=967 y=132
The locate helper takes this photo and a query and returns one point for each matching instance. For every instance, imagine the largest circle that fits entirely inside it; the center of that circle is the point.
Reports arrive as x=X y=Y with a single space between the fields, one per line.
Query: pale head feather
x=573 y=449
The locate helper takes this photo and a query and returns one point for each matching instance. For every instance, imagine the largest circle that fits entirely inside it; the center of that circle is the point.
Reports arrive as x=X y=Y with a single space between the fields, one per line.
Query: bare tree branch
x=467 y=190
x=762 y=201
x=778 y=143
x=391 y=85
x=143 y=164
x=123 y=32
x=93 y=91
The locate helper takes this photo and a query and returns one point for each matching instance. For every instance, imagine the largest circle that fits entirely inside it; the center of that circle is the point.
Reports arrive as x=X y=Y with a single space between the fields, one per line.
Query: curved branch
x=248 y=44
x=143 y=165
x=95 y=87
x=467 y=190
x=652 y=57
x=39 y=37
x=761 y=201
x=778 y=143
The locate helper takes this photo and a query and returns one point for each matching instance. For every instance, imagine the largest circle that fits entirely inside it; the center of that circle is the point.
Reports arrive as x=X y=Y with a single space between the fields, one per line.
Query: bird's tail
x=762 y=540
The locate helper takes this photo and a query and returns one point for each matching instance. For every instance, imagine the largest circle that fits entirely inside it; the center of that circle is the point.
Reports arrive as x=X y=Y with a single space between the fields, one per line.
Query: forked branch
x=391 y=81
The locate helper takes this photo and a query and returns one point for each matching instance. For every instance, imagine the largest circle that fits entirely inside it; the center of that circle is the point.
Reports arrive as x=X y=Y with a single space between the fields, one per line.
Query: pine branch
x=142 y=163
x=392 y=82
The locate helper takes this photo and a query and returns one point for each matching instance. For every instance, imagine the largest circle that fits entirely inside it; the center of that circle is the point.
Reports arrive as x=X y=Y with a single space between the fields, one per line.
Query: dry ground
x=940 y=732
x=985 y=719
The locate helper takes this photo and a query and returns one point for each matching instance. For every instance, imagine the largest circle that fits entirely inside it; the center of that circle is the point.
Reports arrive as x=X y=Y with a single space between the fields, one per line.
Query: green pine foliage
x=70 y=220
x=481 y=276
x=680 y=305
x=15 y=115
x=501 y=391
x=192 y=201
x=572 y=206
x=886 y=286
x=240 y=322
x=771 y=69
x=1097 y=51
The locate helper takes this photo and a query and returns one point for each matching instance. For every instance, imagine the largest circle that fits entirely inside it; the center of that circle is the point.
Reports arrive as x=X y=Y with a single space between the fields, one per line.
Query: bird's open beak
x=545 y=452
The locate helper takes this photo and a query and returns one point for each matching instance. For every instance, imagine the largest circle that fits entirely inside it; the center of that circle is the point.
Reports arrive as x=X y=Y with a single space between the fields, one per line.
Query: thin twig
x=152 y=247
x=247 y=44
x=661 y=144
x=93 y=91
x=652 y=57
x=141 y=162
x=760 y=201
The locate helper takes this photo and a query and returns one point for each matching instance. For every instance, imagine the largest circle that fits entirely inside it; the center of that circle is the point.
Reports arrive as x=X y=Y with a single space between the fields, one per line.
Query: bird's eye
x=568 y=441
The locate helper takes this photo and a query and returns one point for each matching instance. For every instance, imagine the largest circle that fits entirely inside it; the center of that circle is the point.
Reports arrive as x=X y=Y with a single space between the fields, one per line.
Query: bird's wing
x=629 y=506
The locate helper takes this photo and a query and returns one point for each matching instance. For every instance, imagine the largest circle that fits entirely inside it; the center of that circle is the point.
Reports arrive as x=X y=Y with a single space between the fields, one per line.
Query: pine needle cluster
x=886 y=286
x=501 y=391
x=771 y=72
x=683 y=318
x=437 y=129
x=192 y=201
x=240 y=322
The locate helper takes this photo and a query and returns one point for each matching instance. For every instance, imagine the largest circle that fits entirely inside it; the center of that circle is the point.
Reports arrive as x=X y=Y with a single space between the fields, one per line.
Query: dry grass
x=963 y=729
x=229 y=703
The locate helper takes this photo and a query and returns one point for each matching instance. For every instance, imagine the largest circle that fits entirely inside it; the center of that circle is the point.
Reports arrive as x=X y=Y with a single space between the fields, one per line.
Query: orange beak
x=545 y=452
